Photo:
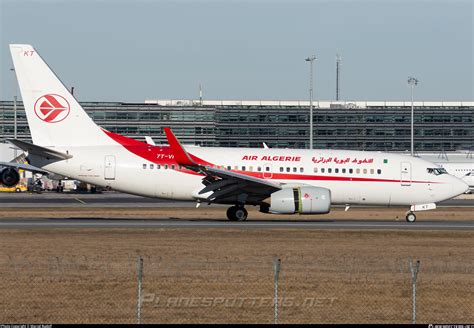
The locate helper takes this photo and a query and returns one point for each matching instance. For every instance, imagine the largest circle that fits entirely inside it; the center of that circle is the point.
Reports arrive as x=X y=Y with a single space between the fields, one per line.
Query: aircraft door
x=109 y=167
x=405 y=173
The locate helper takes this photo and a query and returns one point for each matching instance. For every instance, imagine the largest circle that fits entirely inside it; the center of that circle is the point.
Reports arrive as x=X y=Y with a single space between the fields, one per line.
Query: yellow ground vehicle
x=21 y=187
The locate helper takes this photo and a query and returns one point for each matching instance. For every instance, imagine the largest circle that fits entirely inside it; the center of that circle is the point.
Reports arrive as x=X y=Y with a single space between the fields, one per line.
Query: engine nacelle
x=303 y=200
x=9 y=177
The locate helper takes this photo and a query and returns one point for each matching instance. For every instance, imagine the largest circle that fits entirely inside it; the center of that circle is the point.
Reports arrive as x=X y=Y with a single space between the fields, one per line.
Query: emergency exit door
x=109 y=167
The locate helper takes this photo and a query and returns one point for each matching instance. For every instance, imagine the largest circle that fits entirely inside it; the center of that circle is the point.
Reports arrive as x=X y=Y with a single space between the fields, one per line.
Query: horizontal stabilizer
x=38 y=150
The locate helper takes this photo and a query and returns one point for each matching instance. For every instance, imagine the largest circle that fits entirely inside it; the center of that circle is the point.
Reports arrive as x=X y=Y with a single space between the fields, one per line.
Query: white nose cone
x=459 y=187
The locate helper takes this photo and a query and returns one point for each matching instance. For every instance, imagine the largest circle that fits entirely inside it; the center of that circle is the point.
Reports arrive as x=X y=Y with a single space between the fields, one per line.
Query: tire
x=241 y=214
x=237 y=213
x=411 y=217
x=231 y=213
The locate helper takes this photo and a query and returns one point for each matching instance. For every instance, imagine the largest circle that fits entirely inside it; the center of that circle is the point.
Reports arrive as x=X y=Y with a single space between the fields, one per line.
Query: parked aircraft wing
x=25 y=167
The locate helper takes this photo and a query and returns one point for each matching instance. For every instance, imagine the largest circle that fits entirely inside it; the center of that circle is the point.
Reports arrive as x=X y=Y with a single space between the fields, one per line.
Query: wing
x=222 y=186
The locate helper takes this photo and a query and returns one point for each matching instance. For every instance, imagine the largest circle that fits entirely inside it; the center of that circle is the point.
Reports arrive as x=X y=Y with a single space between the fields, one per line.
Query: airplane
x=66 y=141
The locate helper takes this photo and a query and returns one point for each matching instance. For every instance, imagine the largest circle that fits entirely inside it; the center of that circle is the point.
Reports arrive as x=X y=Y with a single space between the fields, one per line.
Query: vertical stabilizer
x=55 y=118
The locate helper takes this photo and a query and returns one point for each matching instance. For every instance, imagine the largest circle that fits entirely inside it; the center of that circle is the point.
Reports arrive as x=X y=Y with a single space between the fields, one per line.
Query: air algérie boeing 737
x=66 y=141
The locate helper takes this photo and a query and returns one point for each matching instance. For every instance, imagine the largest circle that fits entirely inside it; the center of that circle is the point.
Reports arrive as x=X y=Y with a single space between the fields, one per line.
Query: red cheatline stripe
x=53 y=101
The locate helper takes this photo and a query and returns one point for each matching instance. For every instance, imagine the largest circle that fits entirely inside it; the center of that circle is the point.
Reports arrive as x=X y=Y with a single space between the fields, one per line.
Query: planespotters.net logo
x=52 y=108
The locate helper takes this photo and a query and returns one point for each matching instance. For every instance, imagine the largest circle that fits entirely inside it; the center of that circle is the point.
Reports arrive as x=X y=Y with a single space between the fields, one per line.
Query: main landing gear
x=411 y=217
x=237 y=213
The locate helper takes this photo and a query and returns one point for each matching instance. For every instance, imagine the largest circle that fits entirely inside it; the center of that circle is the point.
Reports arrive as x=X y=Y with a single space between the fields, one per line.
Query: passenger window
x=267 y=169
x=301 y=170
x=236 y=168
x=336 y=170
x=330 y=170
x=365 y=171
x=379 y=171
x=343 y=170
x=357 y=171
x=229 y=168
x=259 y=169
x=351 y=171
x=172 y=167
x=243 y=168
x=294 y=169
x=250 y=168
x=288 y=169
x=322 y=170
x=144 y=166
x=152 y=166
x=158 y=166
x=281 y=169
x=315 y=170
x=166 y=166
x=371 y=171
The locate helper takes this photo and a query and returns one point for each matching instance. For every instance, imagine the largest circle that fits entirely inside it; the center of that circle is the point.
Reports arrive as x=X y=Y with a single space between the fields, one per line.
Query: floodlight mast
x=412 y=82
x=310 y=60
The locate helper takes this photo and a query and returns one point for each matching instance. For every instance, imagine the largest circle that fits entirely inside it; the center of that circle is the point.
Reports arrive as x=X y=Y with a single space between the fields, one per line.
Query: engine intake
x=303 y=200
x=9 y=177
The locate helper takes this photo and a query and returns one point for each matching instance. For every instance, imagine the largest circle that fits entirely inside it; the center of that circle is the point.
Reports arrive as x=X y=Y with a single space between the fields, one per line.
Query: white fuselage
x=354 y=177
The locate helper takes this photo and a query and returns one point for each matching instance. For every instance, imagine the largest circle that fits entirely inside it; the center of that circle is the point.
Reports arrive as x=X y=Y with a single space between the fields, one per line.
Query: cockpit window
x=436 y=170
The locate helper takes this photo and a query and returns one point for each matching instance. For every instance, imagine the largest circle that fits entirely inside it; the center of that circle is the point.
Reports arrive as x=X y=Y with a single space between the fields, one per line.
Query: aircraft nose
x=459 y=187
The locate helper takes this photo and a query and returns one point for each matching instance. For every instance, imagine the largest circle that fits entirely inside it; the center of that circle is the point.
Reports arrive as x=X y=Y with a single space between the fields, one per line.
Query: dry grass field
x=226 y=275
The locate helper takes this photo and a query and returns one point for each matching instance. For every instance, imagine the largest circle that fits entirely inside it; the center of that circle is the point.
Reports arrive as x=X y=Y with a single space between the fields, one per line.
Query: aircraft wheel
x=237 y=213
x=231 y=213
x=241 y=213
x=411 y=217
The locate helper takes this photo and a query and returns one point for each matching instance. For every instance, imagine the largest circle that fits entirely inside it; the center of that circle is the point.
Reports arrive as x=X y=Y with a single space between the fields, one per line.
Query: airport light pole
x=14 y=108
x=310 y=60
x=412 y=82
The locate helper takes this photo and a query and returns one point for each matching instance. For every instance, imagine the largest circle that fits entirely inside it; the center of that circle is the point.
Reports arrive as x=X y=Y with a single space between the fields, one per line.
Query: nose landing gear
x=411 y=217
x=237 y=213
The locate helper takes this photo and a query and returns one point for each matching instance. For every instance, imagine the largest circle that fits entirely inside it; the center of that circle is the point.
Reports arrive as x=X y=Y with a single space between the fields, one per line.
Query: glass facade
x=375 y=127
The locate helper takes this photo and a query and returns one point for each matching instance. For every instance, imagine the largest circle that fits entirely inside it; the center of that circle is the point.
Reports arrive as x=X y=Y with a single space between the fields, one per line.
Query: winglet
x=180 y=155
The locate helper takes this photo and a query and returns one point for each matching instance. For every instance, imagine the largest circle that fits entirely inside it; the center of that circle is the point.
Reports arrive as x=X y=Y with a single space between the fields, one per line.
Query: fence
x=289 y=290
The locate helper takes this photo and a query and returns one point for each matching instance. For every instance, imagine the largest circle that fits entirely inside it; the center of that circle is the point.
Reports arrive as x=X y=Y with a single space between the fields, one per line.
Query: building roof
x=305 y=103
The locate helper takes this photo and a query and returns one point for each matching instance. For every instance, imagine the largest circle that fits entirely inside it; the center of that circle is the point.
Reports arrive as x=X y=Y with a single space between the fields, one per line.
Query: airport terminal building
x=360 y=125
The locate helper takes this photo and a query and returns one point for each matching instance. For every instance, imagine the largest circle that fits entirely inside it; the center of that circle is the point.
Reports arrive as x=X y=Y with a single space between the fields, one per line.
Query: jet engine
x=9 y=177
x=303 y=200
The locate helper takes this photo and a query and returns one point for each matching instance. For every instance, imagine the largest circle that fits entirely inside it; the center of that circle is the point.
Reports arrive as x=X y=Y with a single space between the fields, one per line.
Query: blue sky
x=137 y=50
